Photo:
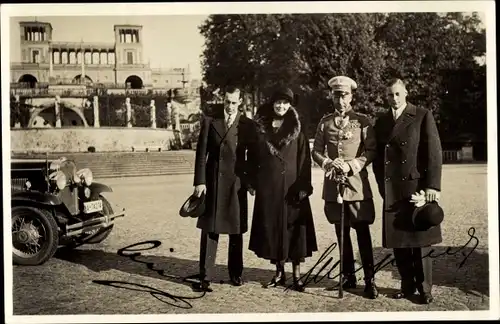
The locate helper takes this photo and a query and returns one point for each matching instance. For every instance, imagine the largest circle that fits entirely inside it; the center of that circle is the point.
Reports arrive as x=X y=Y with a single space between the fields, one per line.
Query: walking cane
x=340 y=200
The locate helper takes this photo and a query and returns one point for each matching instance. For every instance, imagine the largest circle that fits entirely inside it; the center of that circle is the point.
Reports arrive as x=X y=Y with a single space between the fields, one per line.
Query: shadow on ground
x=458 y=267
x=168 y=268
x=465 y=268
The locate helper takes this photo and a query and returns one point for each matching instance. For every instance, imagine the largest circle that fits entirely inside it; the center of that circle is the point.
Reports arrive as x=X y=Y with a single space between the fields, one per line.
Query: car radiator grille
x=18 y=184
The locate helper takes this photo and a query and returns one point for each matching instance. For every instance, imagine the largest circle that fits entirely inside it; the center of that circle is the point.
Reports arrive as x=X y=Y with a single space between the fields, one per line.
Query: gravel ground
x=95 y=279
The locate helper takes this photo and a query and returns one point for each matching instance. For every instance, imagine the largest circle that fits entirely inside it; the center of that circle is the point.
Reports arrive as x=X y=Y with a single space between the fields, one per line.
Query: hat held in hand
x=193 y=206
x=426 y=216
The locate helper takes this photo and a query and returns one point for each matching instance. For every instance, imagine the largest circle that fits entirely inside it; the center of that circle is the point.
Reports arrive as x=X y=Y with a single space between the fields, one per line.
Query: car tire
x=47 y=234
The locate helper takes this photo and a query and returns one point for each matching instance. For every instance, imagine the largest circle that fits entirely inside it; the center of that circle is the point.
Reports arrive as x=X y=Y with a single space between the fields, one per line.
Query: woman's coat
x=279 y=167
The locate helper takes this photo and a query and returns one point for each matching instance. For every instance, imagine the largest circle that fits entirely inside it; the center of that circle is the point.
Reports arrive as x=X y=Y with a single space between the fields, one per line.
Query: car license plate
x=92 y=206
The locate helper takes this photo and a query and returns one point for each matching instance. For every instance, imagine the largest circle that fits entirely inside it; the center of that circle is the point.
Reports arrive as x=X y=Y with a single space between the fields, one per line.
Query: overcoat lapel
x=220 y=126
x=232 y=133
x=234 y=125
x=403 y=121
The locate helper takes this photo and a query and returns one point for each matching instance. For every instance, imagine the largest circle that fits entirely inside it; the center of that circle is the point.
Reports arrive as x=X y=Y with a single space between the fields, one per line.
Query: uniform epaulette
x=361 y=114
x=364 y=119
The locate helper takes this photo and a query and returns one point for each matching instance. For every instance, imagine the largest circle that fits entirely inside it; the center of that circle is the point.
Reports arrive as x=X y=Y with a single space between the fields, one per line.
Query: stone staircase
x=127 y=164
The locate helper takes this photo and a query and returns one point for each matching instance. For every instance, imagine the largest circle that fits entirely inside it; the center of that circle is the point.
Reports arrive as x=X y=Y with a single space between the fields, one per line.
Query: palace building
x=120 y=64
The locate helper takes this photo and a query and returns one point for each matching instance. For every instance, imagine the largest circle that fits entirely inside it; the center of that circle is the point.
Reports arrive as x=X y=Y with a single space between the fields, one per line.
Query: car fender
x=96 y=188
x=36 y=197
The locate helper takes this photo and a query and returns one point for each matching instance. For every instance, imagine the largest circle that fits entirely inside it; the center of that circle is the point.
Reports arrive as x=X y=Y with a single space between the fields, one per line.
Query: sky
x=168 y=41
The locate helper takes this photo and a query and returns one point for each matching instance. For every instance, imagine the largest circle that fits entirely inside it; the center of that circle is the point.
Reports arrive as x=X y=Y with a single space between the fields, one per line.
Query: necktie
x=229 y=121
x=395 y=114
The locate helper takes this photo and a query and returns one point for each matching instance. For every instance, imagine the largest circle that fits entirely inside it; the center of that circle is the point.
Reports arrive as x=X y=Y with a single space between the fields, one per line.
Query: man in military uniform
x=350 y=146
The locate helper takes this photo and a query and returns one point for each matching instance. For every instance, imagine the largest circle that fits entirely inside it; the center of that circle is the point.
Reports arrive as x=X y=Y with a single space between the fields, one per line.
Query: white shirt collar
x=226 y=115
x=396 y=113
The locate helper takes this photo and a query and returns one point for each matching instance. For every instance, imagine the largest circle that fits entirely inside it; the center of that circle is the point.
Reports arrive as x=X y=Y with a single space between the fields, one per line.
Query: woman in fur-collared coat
x=280 y=171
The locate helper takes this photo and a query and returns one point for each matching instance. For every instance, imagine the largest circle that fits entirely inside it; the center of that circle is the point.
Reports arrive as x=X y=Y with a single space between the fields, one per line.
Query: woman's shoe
x=277 y=280
x=298 y=285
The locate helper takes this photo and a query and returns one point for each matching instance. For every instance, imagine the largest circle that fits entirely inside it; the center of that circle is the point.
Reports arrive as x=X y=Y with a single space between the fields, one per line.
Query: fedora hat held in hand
x=427 y=215
x=193 y=206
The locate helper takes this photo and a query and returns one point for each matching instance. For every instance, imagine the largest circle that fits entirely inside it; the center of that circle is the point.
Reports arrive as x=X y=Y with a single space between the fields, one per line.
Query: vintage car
x=55 y=205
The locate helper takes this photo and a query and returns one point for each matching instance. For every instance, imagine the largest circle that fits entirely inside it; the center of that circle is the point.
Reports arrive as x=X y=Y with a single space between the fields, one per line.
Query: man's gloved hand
x=432 y=195
x=199 y=190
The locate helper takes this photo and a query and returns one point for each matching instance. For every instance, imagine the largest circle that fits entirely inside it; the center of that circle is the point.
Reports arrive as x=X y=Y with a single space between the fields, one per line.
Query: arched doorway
x=46 y=117
x=79 y=80
x=134 y=82
x=29 y=80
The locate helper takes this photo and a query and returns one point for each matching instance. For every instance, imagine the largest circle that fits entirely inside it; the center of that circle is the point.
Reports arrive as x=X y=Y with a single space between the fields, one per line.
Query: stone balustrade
x=80 y=139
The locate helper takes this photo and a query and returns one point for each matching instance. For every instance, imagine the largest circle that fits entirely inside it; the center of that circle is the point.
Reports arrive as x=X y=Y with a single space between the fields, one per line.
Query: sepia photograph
x=272 y=161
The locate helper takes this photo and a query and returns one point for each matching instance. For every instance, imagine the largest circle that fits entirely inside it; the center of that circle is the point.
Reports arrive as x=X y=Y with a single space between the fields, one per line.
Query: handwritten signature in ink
x=389 y=259
x=133 y=253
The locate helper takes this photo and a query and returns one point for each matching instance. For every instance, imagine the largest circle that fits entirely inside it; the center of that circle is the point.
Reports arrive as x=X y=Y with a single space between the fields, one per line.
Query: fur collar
x=289 y=130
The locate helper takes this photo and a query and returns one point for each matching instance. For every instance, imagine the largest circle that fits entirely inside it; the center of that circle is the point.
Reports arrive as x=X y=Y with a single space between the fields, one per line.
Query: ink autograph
x=173 y=300
x=132 y=252
x=389 y=259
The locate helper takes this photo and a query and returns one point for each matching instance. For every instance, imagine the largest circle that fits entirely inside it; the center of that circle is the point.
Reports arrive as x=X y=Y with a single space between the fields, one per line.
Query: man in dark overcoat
x=226 y=206
x=409 y=159
x=345 y=141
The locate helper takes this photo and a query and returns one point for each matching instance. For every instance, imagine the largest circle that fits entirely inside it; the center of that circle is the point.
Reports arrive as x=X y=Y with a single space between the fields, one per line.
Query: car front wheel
x=34 y=235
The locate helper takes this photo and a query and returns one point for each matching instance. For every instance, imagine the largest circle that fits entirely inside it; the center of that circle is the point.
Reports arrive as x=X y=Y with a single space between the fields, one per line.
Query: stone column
x=83 y=65
x=17 y=124
x=169 y=114
x=176 y=115
x=153 y=114
x=57 y=111
x=467 y=153
x=96 y=112
x=129 y=112
x=51 y=67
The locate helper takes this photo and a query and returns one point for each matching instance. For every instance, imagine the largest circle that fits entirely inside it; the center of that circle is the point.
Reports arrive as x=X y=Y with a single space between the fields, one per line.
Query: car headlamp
x=85 y=175
x=60 y=179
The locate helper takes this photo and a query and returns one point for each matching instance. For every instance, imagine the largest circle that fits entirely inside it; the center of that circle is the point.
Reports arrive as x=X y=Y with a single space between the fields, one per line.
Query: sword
x=340 y=179
x=340 y=188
